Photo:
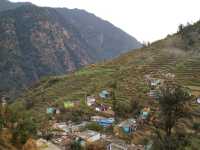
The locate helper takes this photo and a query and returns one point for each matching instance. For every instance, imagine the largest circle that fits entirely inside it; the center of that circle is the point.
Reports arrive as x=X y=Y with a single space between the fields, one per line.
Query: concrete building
x=89 y=136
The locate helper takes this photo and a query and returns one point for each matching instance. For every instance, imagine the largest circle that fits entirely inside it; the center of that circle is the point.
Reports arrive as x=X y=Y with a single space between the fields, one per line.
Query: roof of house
x=103 y=93
x=50 y=110
x=97 y=117
x=106 y=122
x=127 y=122
x=87 y=134
x=198 y=100
x=90 y=98
x=117 y=146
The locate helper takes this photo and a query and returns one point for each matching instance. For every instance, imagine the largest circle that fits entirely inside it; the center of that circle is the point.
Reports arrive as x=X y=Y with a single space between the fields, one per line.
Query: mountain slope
x=99 y=34
x=37 y=42
x=170 y=55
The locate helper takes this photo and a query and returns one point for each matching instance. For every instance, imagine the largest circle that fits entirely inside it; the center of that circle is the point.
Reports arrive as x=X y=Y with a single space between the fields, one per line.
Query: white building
x=89 y=136
x=198 y=100
x=90 y=100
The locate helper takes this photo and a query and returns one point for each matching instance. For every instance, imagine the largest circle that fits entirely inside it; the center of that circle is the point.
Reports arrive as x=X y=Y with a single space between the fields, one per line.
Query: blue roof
x=126 y=129
x=50 y=110
x=106 y=122
x=104 y=94
x=144 y=114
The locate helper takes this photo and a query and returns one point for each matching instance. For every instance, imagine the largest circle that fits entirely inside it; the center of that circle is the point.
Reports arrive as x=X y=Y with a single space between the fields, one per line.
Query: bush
x=26 y=128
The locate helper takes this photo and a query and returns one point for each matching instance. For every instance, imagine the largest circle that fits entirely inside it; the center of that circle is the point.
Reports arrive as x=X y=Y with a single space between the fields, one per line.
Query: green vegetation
x=18 y=126
x=173 y=106
x=94 y=71
x=124 y=78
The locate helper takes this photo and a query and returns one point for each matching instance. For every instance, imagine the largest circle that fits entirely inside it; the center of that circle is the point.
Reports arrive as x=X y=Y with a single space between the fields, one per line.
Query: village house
x=169 y=75
x=127 y=126
x=90 y=100
x=154 y=94
x=103 y=121
x=106 y=122
x=50 y=110
x=57 y=111
x=96 y=118
x=109 y=113
x=62 y=126
x=116 y=146
x=198 y=100
x=113 y=143
x=101 y=108
x=69 y=128
x=78 y=127
x=145 y=113
x=104 y=94
x=62 y=141
x=88 y=136
x=155 y=82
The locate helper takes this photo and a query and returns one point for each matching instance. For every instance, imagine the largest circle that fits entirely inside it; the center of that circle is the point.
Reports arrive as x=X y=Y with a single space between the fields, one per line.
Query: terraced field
x=127 y=71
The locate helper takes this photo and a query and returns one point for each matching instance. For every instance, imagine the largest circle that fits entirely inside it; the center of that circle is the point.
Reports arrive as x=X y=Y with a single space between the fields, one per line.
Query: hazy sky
x=147 y=20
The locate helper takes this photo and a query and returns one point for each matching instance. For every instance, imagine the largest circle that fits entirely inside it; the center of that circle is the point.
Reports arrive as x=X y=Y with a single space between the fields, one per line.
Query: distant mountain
x=105 y=38
x=37 y=42
x=7 y=5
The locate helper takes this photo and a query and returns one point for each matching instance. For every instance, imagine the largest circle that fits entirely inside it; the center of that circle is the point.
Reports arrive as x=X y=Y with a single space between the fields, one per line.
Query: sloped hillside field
x=173 y=57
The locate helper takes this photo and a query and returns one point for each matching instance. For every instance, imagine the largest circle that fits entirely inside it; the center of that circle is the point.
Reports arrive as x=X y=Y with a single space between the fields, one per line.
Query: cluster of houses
x=90 y=101
x=198 y=100
x=64 y=134
x=68 y=132
x=100 y=107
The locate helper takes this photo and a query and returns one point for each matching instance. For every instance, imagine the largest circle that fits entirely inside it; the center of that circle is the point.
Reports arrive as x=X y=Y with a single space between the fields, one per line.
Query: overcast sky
x=146 y=20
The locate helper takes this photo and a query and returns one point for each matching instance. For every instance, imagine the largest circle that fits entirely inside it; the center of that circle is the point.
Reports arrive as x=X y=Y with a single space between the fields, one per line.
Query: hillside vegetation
x=170 y=55
x=175 y=54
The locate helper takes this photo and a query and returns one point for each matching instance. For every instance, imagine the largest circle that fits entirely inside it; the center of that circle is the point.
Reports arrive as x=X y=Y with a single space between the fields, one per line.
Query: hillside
x=37 y=42
x=171 y=55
